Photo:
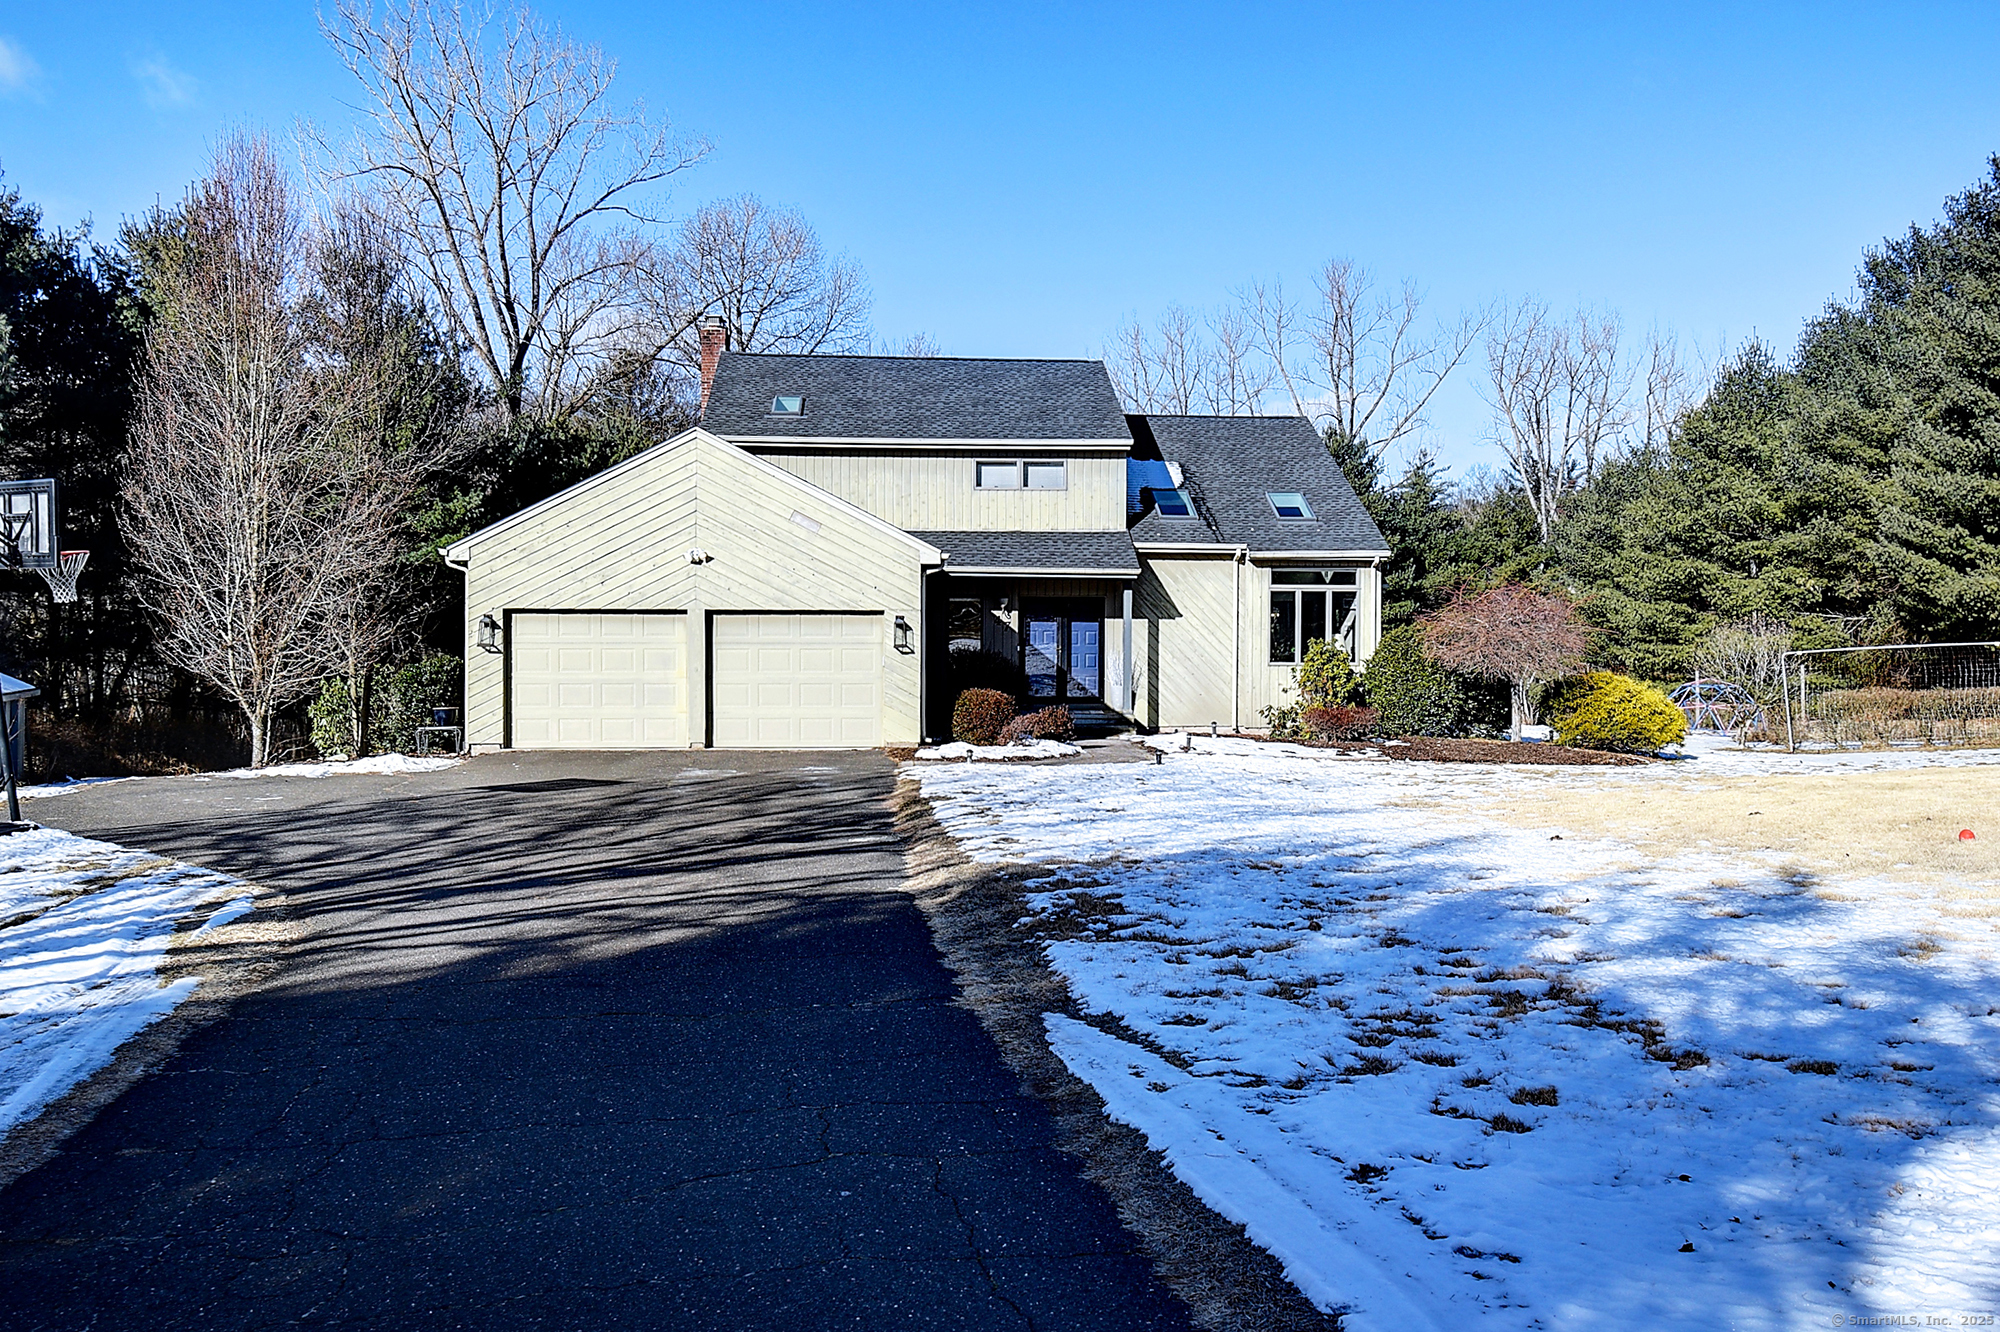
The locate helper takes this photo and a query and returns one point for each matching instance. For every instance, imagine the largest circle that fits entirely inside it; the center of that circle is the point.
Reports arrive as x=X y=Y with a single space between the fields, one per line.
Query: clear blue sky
x=1018 y=179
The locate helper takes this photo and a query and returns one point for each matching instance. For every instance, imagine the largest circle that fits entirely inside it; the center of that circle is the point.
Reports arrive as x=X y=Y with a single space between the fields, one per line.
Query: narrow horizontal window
x=1172 y=504
x=788 y=406
x=1289 y=504
x=1313 y=577
x=1046 y=475
x=997 y=475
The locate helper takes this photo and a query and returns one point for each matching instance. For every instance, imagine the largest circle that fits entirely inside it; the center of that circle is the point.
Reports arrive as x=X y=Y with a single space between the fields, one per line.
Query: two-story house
x=798 y=570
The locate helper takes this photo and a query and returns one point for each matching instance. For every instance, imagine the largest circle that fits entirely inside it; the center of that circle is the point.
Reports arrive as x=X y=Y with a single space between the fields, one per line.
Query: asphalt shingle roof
x=1056 y=551
x=913 y=397
x=1233 y=463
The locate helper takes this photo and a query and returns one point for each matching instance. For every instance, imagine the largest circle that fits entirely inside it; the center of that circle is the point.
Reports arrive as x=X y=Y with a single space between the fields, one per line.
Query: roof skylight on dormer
x=793 y=406
x=1289 y=504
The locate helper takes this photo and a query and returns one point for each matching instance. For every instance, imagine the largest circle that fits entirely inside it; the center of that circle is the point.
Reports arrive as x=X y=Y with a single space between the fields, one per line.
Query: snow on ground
x=1457 y=1074
x=84 y=926
x=1020 y=749
x=379 y=765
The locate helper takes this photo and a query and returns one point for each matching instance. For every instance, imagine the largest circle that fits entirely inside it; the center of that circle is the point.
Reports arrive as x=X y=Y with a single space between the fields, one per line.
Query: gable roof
x=1233 y=464
x=459 y=551
x=928 y=398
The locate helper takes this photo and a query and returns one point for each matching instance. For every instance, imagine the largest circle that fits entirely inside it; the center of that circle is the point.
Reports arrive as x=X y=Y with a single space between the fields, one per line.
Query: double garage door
x=601 y=680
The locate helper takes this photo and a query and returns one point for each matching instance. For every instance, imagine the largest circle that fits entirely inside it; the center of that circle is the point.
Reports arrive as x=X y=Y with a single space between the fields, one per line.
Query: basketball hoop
x=62 y=577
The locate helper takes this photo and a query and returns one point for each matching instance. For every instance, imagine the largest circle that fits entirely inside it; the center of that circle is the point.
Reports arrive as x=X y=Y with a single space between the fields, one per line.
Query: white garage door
x=600 y=681
x=798 y=681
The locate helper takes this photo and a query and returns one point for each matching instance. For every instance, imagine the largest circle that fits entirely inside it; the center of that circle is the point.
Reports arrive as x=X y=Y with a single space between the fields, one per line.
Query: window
x=965 y=624
x=1046 y=475
x=1289 y=504
x=997 y=475
x=1172 y=504
x=788 y=406
x=1309 y=605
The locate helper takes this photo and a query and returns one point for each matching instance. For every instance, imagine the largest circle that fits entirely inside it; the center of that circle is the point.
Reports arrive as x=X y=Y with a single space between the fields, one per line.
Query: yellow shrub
x=1604 y=710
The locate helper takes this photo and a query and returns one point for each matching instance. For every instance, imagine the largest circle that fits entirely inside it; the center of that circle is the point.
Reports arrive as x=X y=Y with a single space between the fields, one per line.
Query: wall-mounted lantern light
x=489 y=634
x=905 y=637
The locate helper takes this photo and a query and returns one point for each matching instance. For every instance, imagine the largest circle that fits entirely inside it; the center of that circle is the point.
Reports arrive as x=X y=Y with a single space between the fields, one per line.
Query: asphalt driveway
x=570 y=1041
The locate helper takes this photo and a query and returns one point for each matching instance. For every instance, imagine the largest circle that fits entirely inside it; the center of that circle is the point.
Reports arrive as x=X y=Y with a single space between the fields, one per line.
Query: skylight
x=1289 y=504
x=1172 y=504
x=788 y=406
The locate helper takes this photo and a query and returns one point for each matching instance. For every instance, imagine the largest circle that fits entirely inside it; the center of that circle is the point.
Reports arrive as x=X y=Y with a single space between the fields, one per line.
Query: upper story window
x=1172 y=504
x=793 y=406
x=1035 y=474
x=1289 y=504
x=1309 y=605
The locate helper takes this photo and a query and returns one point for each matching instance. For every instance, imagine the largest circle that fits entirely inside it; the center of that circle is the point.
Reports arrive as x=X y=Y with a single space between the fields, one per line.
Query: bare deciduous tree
x=1669 y=390
x=1375 y=367
x=513 y=182
x=1185 y=364
x=1510 y=633
x=1560 y=390
x=1748 y=654
x=764 y=270
x=252 y=522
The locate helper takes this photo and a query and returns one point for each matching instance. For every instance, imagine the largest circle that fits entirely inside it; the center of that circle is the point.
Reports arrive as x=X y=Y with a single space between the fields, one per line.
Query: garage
x=598 y=680
x=797 y=681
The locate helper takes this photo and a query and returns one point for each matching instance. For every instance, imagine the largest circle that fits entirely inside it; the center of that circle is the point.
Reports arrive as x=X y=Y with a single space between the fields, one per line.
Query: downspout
x=1236 y=564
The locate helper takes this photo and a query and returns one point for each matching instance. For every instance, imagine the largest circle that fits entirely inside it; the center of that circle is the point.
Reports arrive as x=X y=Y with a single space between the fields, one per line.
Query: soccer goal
x=1897 y=695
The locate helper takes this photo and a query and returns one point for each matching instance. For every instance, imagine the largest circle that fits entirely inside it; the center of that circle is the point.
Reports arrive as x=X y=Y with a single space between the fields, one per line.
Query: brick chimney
x=714 y=341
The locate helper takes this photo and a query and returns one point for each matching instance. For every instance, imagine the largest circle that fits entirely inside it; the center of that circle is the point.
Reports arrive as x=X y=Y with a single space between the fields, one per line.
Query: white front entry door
x=599 y=680
x=798 y=681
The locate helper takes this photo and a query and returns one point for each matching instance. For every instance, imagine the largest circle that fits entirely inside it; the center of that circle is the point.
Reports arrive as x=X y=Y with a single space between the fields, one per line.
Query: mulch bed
x=1430 y=749
x=1434 y=749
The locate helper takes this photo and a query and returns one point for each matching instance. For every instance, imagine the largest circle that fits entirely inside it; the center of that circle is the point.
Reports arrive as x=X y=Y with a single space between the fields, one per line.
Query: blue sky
x=1019 y=179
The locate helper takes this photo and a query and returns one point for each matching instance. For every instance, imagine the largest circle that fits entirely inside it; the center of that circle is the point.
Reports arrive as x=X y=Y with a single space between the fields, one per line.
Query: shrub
x=400 y=701
x=1326 y=678
x=1604 y=710
x=1283 y=722
x=1413 y=693
x=1051 y=724
x=980 y=714
x=1327 y=725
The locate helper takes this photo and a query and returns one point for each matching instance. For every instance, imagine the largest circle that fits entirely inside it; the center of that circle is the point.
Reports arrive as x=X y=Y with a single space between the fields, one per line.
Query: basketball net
x=62 y=577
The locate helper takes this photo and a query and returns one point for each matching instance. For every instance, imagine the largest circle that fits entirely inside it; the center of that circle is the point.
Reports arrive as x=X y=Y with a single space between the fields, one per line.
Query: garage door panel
x=798 y=681
x=594 y=680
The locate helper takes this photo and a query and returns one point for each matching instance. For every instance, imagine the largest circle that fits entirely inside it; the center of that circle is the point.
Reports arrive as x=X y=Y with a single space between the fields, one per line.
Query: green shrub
x=1415 y=694
x=980 y=714
x=1283 y=722
x=1604 y=710
x=1326 y=678
x=400 y=701
x=1048 y=724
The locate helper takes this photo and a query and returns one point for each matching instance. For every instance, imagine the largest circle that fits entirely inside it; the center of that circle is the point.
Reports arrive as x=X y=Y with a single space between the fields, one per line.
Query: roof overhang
x=12 y=689
x=931 y=445
x=1037 y=571
x=1377 y=554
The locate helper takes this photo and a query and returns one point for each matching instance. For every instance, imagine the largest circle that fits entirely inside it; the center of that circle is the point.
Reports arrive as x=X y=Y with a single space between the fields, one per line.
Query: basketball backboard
x=28 y=536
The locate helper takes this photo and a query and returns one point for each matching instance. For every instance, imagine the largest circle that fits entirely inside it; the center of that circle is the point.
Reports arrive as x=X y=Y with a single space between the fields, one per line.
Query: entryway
x=1064 y=652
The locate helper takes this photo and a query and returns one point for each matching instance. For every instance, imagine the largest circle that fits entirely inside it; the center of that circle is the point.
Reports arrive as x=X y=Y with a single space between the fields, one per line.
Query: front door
x=1063 y=649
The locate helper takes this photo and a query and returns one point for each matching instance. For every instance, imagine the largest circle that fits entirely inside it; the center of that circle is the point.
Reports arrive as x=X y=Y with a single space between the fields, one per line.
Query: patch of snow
x=1020 y=749
x=84 y=926
x=1457 y=1073
x=67 y=784
x=230 y=911
x=378 y=765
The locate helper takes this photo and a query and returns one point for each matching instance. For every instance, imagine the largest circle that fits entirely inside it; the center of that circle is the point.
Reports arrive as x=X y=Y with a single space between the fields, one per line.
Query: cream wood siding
x=797 y=681
x=595 y=681
x=935 y=493
x=1187 y=609
x=620 y=542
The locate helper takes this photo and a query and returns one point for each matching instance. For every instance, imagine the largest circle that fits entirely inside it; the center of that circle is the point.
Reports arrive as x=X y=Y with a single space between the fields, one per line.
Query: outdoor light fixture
x=489 y=634
x=904 y=635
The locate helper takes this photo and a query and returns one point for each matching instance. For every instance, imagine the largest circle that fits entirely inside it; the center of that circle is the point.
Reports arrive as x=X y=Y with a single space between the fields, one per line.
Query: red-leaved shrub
x=980 y=714
x=1327 y=725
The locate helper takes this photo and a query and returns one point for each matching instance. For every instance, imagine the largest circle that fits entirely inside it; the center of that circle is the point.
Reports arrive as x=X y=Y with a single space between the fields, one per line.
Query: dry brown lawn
x=1835 y=825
